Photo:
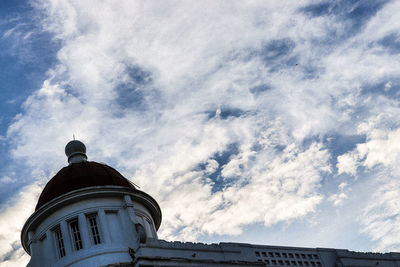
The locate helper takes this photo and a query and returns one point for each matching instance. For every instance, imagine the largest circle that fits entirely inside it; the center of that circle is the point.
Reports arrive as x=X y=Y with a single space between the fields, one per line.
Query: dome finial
x=75 y=151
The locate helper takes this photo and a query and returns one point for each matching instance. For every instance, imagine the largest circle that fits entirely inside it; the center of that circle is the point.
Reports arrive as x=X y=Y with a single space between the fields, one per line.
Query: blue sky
x=265 y=122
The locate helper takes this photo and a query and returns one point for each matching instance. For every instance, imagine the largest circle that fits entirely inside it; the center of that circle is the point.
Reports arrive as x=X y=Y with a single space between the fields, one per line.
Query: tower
x=88 y=214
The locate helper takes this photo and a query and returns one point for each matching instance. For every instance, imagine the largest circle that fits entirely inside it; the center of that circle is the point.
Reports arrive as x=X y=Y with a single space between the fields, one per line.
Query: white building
x=90 y=215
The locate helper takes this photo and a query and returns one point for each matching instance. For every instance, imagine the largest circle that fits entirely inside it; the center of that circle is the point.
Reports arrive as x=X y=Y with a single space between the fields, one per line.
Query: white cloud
x=338 y=198
x=380 y=155
x=12 y=217
x=212 y=166
x=212 y=83
x=382 y=147
x=381 y=214
x=348 y=163
x=190 y=56
x=7 y=179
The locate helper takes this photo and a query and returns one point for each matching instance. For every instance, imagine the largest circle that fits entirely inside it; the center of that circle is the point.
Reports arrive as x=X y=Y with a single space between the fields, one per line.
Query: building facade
x=88 y=214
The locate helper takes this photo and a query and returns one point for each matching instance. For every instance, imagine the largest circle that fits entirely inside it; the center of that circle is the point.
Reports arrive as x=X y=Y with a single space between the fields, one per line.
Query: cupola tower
x=88 y=214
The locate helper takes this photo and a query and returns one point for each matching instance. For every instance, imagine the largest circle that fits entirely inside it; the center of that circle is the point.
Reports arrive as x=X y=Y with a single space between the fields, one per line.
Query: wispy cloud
x=12 y=217
x=221 y=110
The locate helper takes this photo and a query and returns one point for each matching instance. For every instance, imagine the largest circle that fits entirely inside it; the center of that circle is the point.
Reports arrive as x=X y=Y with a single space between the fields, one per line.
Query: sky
x=265 y=122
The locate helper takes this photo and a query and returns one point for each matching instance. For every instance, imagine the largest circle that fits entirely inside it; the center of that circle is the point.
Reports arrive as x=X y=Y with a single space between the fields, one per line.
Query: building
x=90 y=215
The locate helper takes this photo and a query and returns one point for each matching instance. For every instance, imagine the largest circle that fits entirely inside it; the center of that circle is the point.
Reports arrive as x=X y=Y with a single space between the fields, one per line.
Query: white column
x=84 y=230
x=48 y=247
x=129 y=207
x=132 y=220
x=66 y=237
x=35 y=255
x=30 y=242
x=104 y=226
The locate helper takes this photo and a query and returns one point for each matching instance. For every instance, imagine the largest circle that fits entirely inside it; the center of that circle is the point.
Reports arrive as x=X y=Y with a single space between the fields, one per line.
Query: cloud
x=381 y=214
x=381 y=148
x=17 y=210
x=379 y=157
x=175 y=81
x=338 y=198
x=204 y=104
x=6 y=180
x=281 y=190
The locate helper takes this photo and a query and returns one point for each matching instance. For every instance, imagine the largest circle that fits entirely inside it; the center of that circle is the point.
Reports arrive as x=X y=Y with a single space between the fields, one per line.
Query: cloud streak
x=227 y=113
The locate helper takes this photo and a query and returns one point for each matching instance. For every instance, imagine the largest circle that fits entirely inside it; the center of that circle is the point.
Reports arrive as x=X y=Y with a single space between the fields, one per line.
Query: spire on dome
x=75 y=151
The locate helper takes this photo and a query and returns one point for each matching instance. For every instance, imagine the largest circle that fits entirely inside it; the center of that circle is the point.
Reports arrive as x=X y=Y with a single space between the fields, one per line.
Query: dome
x=81 y=175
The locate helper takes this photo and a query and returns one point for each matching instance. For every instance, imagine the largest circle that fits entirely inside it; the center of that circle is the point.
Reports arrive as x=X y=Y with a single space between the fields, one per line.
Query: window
x=59 y=241
x=76 y=235
x=94 y=229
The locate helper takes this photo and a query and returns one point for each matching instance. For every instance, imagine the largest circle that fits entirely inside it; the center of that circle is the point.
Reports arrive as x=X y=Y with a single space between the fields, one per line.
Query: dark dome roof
x=81 y=175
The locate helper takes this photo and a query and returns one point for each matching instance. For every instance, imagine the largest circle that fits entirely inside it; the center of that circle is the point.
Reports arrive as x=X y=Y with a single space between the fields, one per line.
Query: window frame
x=75 y=233
x=60 y=245
x=91 y=229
